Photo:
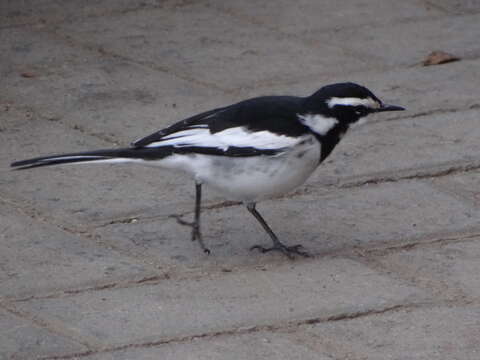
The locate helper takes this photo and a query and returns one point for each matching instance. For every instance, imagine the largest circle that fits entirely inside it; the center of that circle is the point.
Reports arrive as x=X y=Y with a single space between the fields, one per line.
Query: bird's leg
x=277 y=245
x=195 y=225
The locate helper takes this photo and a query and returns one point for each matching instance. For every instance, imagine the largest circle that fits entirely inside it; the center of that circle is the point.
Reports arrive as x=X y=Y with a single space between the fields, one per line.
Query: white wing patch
x=235 y=137
x=318 y=123
x=353 y=101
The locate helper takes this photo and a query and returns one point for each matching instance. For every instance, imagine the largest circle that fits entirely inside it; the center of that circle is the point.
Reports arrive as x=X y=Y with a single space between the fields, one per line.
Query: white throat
x=319 y=124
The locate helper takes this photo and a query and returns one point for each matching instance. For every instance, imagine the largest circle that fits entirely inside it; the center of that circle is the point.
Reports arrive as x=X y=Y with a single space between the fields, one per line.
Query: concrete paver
x=226 y=301
x=258 y=345
x=435 y=333
x=45 y=258
x=105 y=96
x=20 y=339
x=396 y=48
x=225 y=54
x=458 y=6
x=446 y=267
x=326 y=15
x=464 y=186
x=28 y=12
x=324 y=222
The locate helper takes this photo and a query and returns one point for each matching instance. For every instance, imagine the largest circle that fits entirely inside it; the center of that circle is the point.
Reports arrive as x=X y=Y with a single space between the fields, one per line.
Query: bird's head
x=341 y=105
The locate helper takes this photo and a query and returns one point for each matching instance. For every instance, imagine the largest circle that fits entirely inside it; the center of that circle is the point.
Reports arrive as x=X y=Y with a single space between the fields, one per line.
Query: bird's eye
x=360 y=110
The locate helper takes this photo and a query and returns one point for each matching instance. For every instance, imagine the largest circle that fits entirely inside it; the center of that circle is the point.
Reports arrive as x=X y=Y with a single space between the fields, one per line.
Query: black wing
x=199 y=119
x=276 y=114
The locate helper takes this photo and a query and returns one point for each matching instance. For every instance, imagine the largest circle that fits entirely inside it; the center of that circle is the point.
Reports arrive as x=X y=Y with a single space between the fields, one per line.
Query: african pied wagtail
x=255 y=149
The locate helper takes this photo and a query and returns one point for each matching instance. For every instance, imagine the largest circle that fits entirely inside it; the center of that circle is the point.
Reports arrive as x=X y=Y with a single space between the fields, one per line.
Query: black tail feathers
x=92 y=156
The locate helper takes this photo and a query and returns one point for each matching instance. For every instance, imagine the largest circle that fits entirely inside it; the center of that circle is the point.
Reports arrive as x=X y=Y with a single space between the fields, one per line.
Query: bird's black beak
x=387 y=107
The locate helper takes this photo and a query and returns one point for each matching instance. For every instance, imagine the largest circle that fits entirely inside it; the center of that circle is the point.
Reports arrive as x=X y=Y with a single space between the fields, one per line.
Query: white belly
x=250 y=179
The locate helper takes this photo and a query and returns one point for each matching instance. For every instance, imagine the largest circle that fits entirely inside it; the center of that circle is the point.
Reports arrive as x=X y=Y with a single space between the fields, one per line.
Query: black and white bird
x=252 y=150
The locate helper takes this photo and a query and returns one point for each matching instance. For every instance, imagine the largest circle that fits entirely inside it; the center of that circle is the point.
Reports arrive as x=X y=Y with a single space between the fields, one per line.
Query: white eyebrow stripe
x=353 y=101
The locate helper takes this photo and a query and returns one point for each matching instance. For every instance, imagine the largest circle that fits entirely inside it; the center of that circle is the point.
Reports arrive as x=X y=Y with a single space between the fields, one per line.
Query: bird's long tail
x=105 y=156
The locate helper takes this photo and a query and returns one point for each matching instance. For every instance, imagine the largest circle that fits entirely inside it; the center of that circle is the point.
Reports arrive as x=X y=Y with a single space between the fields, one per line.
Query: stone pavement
x=92 y=266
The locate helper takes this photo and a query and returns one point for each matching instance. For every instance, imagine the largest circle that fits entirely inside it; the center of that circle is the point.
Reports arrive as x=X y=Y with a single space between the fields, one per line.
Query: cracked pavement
x=92 y=264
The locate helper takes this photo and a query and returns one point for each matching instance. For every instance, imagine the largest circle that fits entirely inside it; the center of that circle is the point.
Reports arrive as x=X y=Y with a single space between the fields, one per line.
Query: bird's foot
x=289 y=251
x=196 y=234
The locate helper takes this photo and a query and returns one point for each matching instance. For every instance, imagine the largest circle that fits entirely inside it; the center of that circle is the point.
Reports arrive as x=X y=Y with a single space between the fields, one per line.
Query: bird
x=253 y=150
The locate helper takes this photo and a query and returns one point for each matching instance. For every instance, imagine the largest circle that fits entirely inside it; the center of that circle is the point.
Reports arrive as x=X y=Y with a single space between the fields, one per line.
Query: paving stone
x=327 y=15
x=447 y=268
x=441 y=333
x=374 y=215
x=36 y=258
x=225 y=301
x=28 y=12
x=214 y=48
x=36 y=51
x=259 y=345
x=94 y=92
x=465 y=186
x=20 y=339
x=394 y=48
x=458 y=6
x=322 y=221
